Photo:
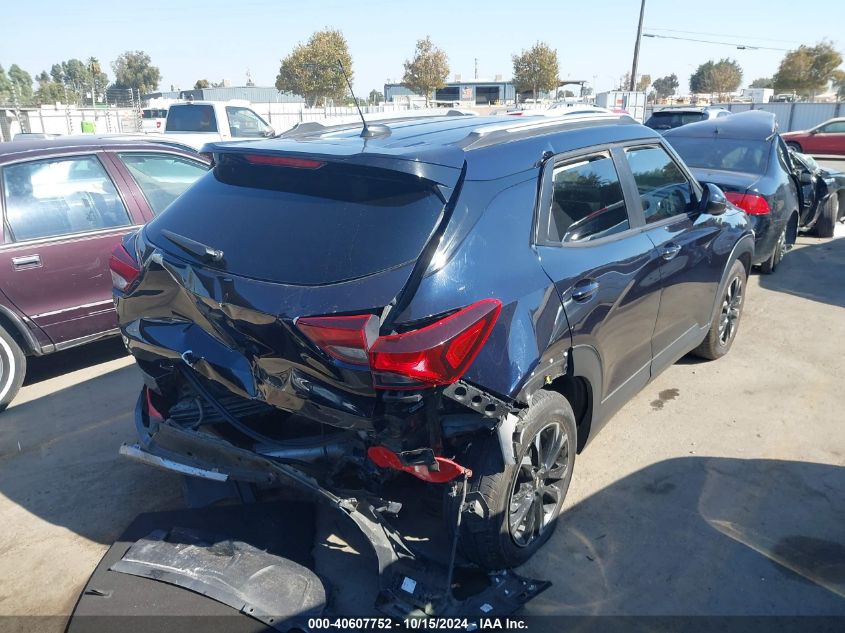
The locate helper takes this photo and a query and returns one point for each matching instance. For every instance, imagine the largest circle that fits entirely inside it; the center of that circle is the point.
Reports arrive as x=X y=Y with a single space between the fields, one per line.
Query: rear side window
x=62 y=196
x=162 y=177
x=663 y=188
x=303 y=226
x=191 y=118
x=587 y=201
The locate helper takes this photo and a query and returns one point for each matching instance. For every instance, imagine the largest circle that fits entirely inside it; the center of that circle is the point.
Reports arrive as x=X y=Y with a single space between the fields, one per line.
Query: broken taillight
x=346 y=338
x=437 y=354
x=124 y=269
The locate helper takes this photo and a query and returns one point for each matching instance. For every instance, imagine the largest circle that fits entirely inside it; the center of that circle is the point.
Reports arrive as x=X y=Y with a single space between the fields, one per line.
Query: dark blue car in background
x=745 y=156
x=428 y=296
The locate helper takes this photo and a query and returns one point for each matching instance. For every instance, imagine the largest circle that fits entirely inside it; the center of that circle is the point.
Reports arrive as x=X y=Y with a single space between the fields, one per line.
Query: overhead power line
x=749 y=47
x=737 y=37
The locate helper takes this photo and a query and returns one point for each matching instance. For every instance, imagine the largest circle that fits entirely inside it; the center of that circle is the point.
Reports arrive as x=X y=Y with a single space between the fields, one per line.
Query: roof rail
x=487 y=132
x=307 y=128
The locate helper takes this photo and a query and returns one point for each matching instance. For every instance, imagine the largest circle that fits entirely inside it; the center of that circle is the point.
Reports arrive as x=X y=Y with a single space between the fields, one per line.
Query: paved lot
x=720 y=489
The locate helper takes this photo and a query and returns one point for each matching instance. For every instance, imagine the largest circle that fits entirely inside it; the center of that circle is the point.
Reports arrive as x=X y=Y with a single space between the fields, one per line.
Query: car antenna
x=366 y=132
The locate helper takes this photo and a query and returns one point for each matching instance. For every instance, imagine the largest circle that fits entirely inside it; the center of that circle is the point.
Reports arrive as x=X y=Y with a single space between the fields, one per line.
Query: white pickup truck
x=196 y=123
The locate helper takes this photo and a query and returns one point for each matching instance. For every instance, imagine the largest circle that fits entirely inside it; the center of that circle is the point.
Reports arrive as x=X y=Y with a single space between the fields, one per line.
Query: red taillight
x=438 y=354
x=748 y=202
x=124 y=269
x=283 y=161
x=158 y=124
x=345 y=338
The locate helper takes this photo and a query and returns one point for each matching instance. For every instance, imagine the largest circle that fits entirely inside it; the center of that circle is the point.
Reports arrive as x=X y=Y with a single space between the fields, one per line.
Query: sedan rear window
x=191 y=118
x=730 y=154
x=670 y=120
x=304 y=226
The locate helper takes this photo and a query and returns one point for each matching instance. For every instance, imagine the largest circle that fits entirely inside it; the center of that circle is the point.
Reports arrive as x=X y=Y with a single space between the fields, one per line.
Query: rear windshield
x=191 y=118
x=669 y=120
x=730 y=154
x=303 y=226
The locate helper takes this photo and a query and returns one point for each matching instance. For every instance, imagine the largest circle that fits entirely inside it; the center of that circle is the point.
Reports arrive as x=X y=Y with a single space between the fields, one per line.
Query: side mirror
x=815 y=131
x=713 y=202
x=806 y=178
x=269 y=132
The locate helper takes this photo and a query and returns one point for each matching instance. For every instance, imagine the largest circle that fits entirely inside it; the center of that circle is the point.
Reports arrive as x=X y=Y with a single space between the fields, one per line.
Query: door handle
x=585 y=289
x=669 y=251
x=26 y=261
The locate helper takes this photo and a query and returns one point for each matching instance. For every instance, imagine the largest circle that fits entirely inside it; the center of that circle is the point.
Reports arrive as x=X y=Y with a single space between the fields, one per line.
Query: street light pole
x=633 y=82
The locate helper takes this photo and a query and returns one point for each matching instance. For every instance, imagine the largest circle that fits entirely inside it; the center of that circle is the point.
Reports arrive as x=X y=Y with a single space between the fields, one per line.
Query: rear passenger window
x=587 y=202
x=162 y=177
x=49 y=198
x=663 y=188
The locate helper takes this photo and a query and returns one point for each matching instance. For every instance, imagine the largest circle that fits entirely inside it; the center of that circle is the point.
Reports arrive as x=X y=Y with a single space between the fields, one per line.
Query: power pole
x=476 y=69
x=633 y=83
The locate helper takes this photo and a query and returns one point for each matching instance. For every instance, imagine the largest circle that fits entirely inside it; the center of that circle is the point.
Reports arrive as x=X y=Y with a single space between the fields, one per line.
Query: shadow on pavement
x=702 y=536
x=815 y=271
x=46 y=367
x=59 y=457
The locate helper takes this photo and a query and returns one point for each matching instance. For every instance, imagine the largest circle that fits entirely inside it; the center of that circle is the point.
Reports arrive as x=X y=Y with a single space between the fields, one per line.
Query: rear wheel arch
x=17 y=329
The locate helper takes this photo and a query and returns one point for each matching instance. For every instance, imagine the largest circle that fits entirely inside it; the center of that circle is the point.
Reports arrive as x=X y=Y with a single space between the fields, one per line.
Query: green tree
x=666 y=86
x=311 y=70
x=50 y=91
x=134 y=70
x=762 y=82
x=427 y=70
x=22 y=82
x=536 y=69
x=375 y=96
x=808 y=69
x=5 y=87
x=719 y=78
x=839 y=83
x=201 y=83
x=643 y=83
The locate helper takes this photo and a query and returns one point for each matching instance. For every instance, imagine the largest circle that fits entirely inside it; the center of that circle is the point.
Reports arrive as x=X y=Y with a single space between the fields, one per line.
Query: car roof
x=447 y=140
x=750 y=125
x=85 y=141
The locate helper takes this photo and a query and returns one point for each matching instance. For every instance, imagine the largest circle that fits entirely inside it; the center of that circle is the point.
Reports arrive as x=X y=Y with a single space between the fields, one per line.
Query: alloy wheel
x=781 y=248
x=731 y=306
x=536 y=494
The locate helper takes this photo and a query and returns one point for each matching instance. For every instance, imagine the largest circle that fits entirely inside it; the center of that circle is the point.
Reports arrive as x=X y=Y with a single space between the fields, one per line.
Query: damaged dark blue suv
x=448 y=297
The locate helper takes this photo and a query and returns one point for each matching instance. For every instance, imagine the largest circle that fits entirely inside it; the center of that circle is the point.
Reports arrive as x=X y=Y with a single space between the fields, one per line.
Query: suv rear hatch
x=264 y=240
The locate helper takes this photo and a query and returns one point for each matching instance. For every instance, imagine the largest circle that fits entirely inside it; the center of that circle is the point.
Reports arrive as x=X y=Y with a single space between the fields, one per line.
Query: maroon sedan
x=66 y=203
x=825 y=139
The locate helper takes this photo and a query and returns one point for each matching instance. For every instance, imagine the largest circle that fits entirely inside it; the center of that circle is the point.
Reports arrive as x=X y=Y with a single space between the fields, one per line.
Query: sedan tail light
x=437 y=354
x=749 y=202
x=124 y=269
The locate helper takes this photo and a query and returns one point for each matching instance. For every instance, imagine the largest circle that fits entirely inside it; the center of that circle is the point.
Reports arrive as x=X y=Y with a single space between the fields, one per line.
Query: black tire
x=490 y=541
x=828 y=217
x=770 y=265
x=725 y=324
x=795 y=146
x=12 y=368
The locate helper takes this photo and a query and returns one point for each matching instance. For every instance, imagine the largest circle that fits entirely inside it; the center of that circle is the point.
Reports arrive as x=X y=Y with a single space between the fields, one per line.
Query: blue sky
x=192 y=39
